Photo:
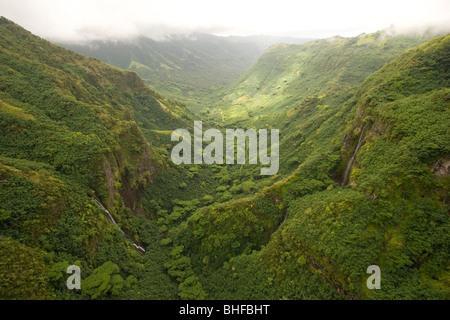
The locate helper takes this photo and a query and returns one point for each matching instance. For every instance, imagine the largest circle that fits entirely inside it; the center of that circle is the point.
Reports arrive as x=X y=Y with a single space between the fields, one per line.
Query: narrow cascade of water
x=345 y=180
x=113 y=222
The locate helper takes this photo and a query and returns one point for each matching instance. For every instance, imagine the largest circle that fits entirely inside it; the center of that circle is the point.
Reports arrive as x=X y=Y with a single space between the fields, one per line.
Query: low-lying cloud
x=85 y=20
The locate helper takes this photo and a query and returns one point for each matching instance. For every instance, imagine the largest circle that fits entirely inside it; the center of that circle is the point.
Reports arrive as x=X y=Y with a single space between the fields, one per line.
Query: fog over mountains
x=182 y=66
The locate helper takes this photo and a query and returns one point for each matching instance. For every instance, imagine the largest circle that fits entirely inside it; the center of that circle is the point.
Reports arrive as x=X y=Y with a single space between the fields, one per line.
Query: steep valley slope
x=69 y=136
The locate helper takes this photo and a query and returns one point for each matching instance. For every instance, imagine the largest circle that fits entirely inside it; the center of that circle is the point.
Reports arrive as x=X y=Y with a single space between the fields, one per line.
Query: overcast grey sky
x=100 y=19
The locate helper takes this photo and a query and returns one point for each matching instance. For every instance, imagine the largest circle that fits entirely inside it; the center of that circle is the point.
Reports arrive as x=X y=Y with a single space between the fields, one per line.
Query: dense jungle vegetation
x=74 y=130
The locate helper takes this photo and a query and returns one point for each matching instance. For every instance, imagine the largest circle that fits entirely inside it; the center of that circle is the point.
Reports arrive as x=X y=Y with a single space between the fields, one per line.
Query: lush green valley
x=187 y=68
x=363 y=179
x=315 y=237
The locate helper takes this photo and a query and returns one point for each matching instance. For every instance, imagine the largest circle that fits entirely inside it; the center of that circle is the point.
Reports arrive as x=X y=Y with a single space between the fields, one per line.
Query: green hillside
x=68 y=135
x=308 y=237
x=287 y=75
x=186 y=68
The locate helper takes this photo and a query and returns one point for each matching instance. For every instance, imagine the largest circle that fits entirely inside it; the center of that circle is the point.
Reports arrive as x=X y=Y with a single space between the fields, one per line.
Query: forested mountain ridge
x=79 y=95
x=286 y=75
x=69 y=135
x=185 y=67
x=393 y=213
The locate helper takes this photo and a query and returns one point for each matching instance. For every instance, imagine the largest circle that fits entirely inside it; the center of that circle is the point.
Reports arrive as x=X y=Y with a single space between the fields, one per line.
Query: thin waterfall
x=110 y=217
x=350 y=162
x=113 y=222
